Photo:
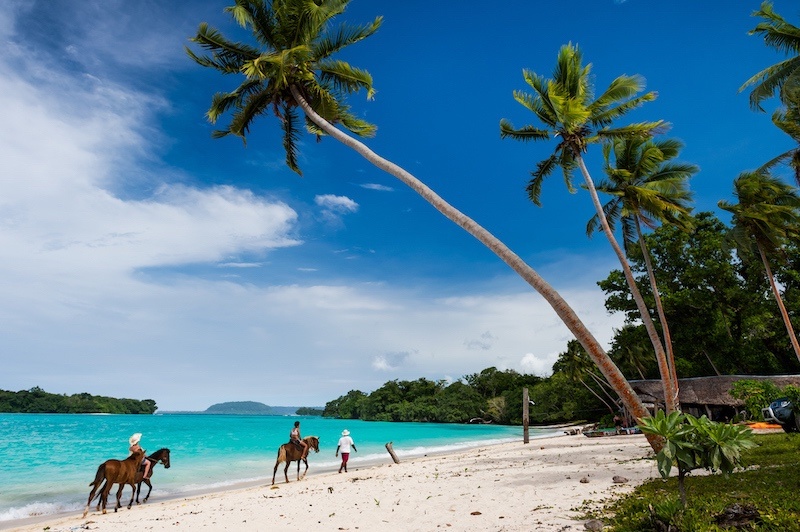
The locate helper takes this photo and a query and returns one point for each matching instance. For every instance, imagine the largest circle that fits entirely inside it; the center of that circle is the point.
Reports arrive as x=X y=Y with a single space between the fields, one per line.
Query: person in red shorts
x=345 y=442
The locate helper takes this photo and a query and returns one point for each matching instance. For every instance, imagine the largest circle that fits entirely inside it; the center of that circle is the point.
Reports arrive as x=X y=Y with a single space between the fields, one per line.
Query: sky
x=141 y=258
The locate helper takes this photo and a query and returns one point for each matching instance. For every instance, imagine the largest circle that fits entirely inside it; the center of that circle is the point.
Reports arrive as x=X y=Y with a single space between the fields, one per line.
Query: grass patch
x=770 y=486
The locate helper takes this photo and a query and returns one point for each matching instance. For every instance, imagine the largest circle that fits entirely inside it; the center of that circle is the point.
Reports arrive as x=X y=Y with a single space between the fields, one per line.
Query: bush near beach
x=763 y=497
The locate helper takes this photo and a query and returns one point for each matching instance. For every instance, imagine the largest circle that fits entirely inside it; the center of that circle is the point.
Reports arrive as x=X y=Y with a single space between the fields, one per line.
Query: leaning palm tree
x=783 y=77
x=649 y=189
x=292 y=69
x=569 y=111
x=767 y=215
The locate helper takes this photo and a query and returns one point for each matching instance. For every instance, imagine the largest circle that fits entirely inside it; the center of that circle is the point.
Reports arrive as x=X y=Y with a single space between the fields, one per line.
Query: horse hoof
x=104 y=511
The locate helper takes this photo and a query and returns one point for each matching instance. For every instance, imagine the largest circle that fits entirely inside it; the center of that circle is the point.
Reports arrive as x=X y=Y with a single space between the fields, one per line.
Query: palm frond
x=526 y=133
x=346 y=78
x=543 y=170
x=291 y=137
x=328 y=45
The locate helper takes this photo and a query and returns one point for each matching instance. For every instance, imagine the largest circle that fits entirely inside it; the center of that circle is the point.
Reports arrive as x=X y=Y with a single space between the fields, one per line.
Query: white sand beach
x=544 y=485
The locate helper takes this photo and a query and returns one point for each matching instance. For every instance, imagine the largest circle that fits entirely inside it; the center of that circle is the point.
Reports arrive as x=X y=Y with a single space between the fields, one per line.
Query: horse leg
x=104 y=496
x=99 y=493
x=149 y=489
x=306 y=469
x=298 y=468
x=286 y=471
x=119 y=496
x=133 y=494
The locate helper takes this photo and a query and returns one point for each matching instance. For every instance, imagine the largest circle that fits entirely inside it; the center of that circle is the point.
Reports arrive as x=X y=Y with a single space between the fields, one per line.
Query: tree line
x=37 y=401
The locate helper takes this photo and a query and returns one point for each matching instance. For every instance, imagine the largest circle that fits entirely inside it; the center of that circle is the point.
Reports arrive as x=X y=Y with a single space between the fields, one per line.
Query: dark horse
x=289 y=453
x=122 y=472
x=161 y=455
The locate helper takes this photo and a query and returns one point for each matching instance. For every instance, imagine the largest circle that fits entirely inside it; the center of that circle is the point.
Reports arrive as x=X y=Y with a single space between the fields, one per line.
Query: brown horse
x=162 y=456
x=289 y=453
x=122 y=472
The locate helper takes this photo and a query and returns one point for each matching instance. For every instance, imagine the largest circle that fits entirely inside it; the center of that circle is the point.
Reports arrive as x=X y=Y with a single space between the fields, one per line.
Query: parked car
x=781 y=411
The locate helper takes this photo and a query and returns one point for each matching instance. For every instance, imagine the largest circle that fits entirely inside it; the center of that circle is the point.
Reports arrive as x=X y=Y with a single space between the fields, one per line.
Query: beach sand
x=547 y=484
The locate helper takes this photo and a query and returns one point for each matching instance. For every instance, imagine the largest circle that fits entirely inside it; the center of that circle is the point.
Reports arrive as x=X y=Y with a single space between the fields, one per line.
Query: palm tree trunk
x=660 y=309
x=604 y=363
x=781 y=306
x=670 y=399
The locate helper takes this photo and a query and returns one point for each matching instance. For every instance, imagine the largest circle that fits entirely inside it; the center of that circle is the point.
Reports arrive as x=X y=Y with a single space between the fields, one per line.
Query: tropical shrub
x=696 y=443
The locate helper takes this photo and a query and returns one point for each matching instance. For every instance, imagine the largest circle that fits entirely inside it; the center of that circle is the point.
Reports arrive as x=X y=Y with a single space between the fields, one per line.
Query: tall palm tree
x=649 y=189
x=292 y=68
x=783 y=77
x=767 y=215
x=569 y=111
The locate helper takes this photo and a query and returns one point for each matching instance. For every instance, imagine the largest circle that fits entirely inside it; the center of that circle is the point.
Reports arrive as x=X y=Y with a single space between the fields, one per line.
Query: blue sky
x=142 y=258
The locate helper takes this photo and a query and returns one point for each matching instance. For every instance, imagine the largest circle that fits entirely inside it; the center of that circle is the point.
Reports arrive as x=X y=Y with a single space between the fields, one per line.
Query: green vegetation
x=489 y=396
x=768 y=489
x=37 y=401
x=696 y=443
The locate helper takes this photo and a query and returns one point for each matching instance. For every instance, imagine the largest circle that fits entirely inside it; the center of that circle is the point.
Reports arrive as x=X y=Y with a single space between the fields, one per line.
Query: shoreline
x=544 y=485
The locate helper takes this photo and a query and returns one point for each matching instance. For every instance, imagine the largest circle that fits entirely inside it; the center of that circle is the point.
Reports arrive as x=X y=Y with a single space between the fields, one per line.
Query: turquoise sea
x=48 y=460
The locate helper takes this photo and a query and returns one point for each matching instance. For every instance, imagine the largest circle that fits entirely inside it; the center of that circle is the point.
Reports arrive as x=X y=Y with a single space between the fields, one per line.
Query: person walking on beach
x=294 y=437
x=345 y=442
x=134 y=441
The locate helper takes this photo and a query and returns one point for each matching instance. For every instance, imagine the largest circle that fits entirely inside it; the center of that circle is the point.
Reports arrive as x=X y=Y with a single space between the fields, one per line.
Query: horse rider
x=134 y=441
x=294 y=437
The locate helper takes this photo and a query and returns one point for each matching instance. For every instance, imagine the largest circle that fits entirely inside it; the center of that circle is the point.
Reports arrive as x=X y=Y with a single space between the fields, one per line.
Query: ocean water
x=48 y=460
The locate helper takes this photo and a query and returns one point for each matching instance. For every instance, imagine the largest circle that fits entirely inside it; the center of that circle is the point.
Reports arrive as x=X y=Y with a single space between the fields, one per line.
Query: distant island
x=254 y=408
x=38 y=401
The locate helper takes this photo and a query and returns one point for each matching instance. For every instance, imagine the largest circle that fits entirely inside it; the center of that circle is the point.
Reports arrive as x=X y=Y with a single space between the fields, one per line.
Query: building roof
x=712 y=391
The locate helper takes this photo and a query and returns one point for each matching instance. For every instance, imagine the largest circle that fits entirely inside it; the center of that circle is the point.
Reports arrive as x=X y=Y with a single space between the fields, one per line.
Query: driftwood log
x=391 y=453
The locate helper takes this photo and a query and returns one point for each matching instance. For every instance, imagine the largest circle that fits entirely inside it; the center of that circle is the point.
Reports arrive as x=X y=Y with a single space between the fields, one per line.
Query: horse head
x=313 y=442
x=164 y=458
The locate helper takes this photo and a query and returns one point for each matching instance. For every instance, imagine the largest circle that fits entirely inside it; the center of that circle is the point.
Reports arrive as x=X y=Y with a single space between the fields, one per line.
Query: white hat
x=345 y=432
x=135 y=438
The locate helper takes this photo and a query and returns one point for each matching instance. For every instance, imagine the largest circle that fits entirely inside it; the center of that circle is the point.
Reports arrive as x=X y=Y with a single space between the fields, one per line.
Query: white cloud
x=375 y=186
x=334 y=207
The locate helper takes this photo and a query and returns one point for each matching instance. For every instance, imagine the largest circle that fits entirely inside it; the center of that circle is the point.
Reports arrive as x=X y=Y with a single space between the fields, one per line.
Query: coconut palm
x=783 y=77
x=767 y=215
x=293 y=68
x=649 y=189
x=569 y=111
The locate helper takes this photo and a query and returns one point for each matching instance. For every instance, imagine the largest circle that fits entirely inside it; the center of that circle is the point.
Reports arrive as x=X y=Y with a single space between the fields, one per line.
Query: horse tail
x=101 y=473
x=281 y=454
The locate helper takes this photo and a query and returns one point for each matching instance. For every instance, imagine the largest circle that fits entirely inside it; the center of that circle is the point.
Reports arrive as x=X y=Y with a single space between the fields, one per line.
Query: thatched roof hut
x=705 y=395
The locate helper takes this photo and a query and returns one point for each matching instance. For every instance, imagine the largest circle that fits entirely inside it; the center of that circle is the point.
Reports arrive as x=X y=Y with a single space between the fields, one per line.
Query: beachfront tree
x=567 y=108
x=292 y=68
x=783 y=77
x=647 y=188
x=766 y=216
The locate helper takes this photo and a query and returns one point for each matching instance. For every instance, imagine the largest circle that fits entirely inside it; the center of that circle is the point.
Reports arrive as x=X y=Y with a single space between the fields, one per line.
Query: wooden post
x=525 y=419
x=391 y=453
